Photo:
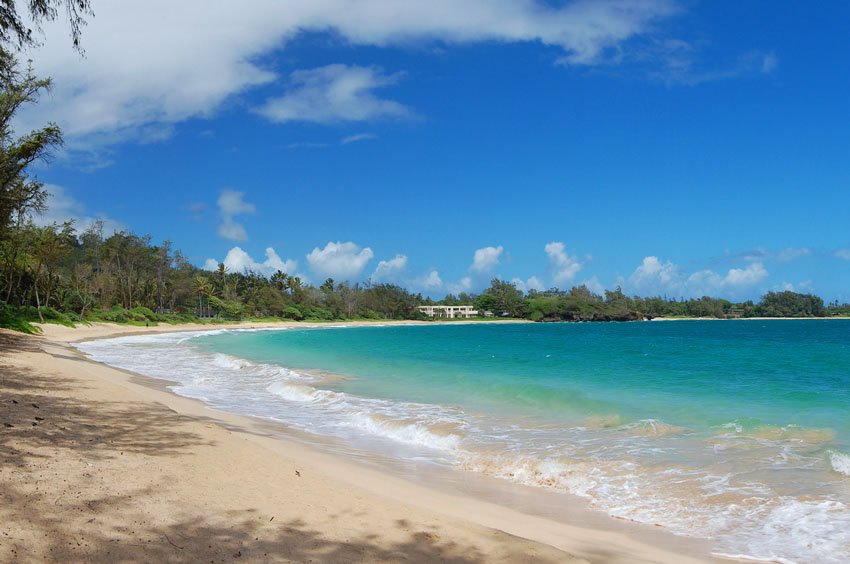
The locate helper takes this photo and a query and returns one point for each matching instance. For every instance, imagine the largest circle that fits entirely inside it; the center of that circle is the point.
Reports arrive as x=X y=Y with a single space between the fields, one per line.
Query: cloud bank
x=152 y=64
x=654 y=277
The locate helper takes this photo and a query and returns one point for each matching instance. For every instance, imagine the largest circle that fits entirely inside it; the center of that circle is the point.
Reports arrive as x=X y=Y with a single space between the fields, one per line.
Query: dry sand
x=97 y=467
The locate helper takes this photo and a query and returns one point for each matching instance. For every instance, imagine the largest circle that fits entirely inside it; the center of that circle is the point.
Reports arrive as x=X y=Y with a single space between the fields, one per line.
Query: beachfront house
x=449 y=312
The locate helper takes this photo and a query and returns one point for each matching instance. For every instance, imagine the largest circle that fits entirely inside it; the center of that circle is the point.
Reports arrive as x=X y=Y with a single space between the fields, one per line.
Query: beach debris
x=37 y=418
x=8 y=425
x=297 y=473
x=15 y=401
x=35 y=406
x=272 y=519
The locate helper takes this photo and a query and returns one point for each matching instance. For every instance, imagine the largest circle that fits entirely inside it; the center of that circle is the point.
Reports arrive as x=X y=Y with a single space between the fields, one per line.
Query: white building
x=450 y=312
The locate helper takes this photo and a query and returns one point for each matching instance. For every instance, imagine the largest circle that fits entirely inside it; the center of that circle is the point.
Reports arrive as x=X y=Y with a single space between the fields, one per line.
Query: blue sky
x=674 y=148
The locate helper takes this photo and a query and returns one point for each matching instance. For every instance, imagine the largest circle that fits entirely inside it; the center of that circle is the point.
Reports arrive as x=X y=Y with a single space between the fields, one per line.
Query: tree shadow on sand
x=239 y=535
x=37 y=410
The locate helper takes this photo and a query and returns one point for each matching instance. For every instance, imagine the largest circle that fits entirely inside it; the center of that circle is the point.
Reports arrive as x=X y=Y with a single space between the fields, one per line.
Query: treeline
x=581 y=304
x=51 y=273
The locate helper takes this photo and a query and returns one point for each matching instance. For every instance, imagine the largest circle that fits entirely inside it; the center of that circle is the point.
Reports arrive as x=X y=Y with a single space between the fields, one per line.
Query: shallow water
x=737 y=431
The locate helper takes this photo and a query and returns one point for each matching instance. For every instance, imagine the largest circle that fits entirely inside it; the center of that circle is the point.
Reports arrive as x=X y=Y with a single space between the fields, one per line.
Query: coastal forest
x=60 y=273
x=52 y=273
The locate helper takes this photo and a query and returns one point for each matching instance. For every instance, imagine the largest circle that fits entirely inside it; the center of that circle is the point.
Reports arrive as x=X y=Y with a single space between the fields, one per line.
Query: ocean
x=733 y=431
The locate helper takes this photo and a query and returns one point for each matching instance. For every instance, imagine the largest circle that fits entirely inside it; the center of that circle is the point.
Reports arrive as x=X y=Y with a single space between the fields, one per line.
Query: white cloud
x=357 y=138
x=653 y=275
x=532 y=283
x=237 y=260
x=594 y=286
x=656 y=277
x=737 y=277
x=230 y=204
x=431 y=282
x=486 y=259
x=334 y=93
x=792 y=253
x=389 y=269
x=804 y=287
x=563 y=266
x=62 y=207
x=843 y=254
x=342 y=261
x=152 y=64
x=462 y=285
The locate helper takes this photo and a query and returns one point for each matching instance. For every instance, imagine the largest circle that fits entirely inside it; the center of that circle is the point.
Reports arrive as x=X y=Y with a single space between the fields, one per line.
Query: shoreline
x=459 y=515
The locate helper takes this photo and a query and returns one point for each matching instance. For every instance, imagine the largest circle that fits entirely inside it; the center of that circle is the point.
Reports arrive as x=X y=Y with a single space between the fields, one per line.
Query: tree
x=20 y=194
x=15 y=31
x=502 y=298
x=204 y=290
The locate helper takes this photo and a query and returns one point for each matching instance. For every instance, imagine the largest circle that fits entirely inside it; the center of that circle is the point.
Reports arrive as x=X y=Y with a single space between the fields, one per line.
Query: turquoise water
x=697 y=374
x=736 y=431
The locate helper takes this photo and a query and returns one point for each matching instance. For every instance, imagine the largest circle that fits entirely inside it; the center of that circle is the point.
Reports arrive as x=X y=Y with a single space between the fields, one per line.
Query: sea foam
x=840 y=462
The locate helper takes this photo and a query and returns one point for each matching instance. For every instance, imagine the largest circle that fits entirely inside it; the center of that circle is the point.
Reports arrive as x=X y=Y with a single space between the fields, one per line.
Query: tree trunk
x=38 y=302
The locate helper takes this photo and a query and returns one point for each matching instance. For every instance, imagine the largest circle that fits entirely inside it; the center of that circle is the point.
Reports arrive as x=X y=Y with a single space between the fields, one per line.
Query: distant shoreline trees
x=52 y=273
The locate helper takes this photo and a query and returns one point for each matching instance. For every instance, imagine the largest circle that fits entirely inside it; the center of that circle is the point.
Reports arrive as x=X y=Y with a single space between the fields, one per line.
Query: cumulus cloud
x=533 y=283
x=144 y=72
x=334 y=93
x=430 y=282
x=462 y=285
x=231 y=204
x=737 y=277
x=563 y=266
x=342 y=261
x=653 y=276
x=237 y=260
x=594 y=285
x=389 y=269
x=486 y=259
x=62 y=207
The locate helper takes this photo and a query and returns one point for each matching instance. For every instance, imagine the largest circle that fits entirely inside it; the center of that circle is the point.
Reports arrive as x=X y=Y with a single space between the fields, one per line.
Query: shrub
x=290 y=312
x=13 y=318
x=141 y=313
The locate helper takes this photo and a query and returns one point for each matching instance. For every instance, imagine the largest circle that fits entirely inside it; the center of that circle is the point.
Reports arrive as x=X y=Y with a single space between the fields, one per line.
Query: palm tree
x=204 y=289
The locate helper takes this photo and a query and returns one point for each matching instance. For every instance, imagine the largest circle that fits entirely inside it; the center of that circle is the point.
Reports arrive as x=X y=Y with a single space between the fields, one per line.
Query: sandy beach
x=99 y=467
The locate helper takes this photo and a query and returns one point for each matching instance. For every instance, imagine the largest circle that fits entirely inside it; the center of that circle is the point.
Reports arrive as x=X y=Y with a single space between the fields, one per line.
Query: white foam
x=227 y=361
x=297 y=392
x=840 y=462
x=416 y=433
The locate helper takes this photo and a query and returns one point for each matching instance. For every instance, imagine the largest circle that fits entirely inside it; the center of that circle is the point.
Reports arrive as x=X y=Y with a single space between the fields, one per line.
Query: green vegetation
x=53 y=275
